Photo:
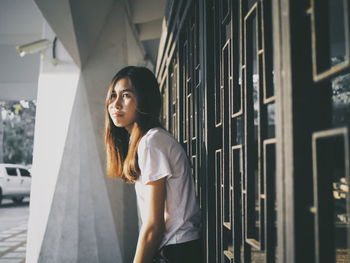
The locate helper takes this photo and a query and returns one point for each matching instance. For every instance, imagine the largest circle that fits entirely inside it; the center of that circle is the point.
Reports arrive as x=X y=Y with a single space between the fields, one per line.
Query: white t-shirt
x=160 y=155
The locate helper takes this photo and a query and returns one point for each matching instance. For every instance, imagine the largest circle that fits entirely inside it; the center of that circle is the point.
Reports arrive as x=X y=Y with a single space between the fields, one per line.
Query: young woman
x=140 y=151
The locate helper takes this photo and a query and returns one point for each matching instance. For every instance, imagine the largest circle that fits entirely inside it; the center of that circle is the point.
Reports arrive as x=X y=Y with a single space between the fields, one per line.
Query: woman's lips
x=117 y=114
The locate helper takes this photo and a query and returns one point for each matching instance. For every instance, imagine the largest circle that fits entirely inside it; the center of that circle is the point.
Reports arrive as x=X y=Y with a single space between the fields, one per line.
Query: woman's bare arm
x=152 y=229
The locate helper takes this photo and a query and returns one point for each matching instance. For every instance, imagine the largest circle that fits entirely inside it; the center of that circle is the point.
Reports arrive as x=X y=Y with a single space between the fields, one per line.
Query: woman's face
x=122 y=108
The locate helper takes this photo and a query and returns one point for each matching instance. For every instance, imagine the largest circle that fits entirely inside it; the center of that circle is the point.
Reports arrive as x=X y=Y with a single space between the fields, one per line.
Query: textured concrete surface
x=13 y=231
x=13 y=244
x=12 y=214
x=77 y=214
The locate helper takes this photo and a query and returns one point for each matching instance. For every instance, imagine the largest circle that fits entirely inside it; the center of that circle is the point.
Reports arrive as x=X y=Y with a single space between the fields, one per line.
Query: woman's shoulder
x=156 y=137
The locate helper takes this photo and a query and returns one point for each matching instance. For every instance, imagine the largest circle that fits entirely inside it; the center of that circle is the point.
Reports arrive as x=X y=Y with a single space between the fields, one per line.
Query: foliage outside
x=17 y=120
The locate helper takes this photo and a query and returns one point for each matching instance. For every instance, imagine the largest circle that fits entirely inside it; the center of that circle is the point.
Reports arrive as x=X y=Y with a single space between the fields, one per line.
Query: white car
x=15 y=181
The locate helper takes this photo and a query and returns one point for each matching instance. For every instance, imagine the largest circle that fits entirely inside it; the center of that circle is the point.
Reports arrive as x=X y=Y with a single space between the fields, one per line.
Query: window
x=11 y=171
x=24 y=172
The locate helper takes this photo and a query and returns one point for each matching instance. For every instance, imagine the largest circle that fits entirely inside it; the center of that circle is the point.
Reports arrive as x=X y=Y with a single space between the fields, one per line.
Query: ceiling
x=78 y=23
x=20 y=23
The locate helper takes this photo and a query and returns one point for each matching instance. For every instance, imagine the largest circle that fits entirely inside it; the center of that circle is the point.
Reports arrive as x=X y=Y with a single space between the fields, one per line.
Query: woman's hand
x=152 y=229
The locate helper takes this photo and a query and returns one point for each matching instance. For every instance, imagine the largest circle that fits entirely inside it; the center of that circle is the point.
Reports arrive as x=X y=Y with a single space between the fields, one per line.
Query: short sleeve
x=153 y=164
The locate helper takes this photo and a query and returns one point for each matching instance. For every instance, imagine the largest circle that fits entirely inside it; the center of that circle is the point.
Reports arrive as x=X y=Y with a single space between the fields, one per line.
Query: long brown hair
x=121 y=149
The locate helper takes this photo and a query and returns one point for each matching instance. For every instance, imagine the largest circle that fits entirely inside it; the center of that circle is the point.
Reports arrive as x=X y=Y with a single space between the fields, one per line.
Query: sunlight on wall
x=56 y=95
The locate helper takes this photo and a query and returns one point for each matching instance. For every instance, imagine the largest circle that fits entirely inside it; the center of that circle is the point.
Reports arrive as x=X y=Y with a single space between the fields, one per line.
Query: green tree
x=18 y=120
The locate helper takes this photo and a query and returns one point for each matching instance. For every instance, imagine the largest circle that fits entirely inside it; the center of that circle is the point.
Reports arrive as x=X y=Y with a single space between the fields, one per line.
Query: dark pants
x=188 y=252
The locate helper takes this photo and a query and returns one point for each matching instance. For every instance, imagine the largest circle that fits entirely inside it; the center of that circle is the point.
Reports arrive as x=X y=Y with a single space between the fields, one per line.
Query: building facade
x=258 y=93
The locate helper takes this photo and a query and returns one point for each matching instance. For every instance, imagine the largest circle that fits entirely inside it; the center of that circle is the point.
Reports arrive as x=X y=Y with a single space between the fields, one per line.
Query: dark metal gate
x=312 y=73
x=258 y=93
x=241 y=94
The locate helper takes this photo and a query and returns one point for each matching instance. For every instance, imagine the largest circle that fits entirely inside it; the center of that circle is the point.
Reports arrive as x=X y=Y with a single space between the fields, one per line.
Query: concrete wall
x=77 y=214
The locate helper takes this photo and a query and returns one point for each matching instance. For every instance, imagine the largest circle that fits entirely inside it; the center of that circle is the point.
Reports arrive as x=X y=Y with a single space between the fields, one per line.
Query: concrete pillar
x=1 y=138
x=77 y=214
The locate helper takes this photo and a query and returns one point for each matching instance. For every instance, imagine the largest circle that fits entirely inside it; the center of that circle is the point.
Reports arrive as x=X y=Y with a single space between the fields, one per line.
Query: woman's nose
x=117 y=103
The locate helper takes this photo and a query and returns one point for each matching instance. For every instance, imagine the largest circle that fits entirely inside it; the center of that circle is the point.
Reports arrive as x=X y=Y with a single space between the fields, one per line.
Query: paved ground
x=13 y=231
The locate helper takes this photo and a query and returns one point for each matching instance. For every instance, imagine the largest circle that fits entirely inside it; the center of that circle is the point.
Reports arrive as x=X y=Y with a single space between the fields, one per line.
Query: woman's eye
x=123 y=95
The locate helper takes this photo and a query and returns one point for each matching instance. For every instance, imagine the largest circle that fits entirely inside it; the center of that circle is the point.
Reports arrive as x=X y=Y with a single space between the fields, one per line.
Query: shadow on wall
x=130 y=218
